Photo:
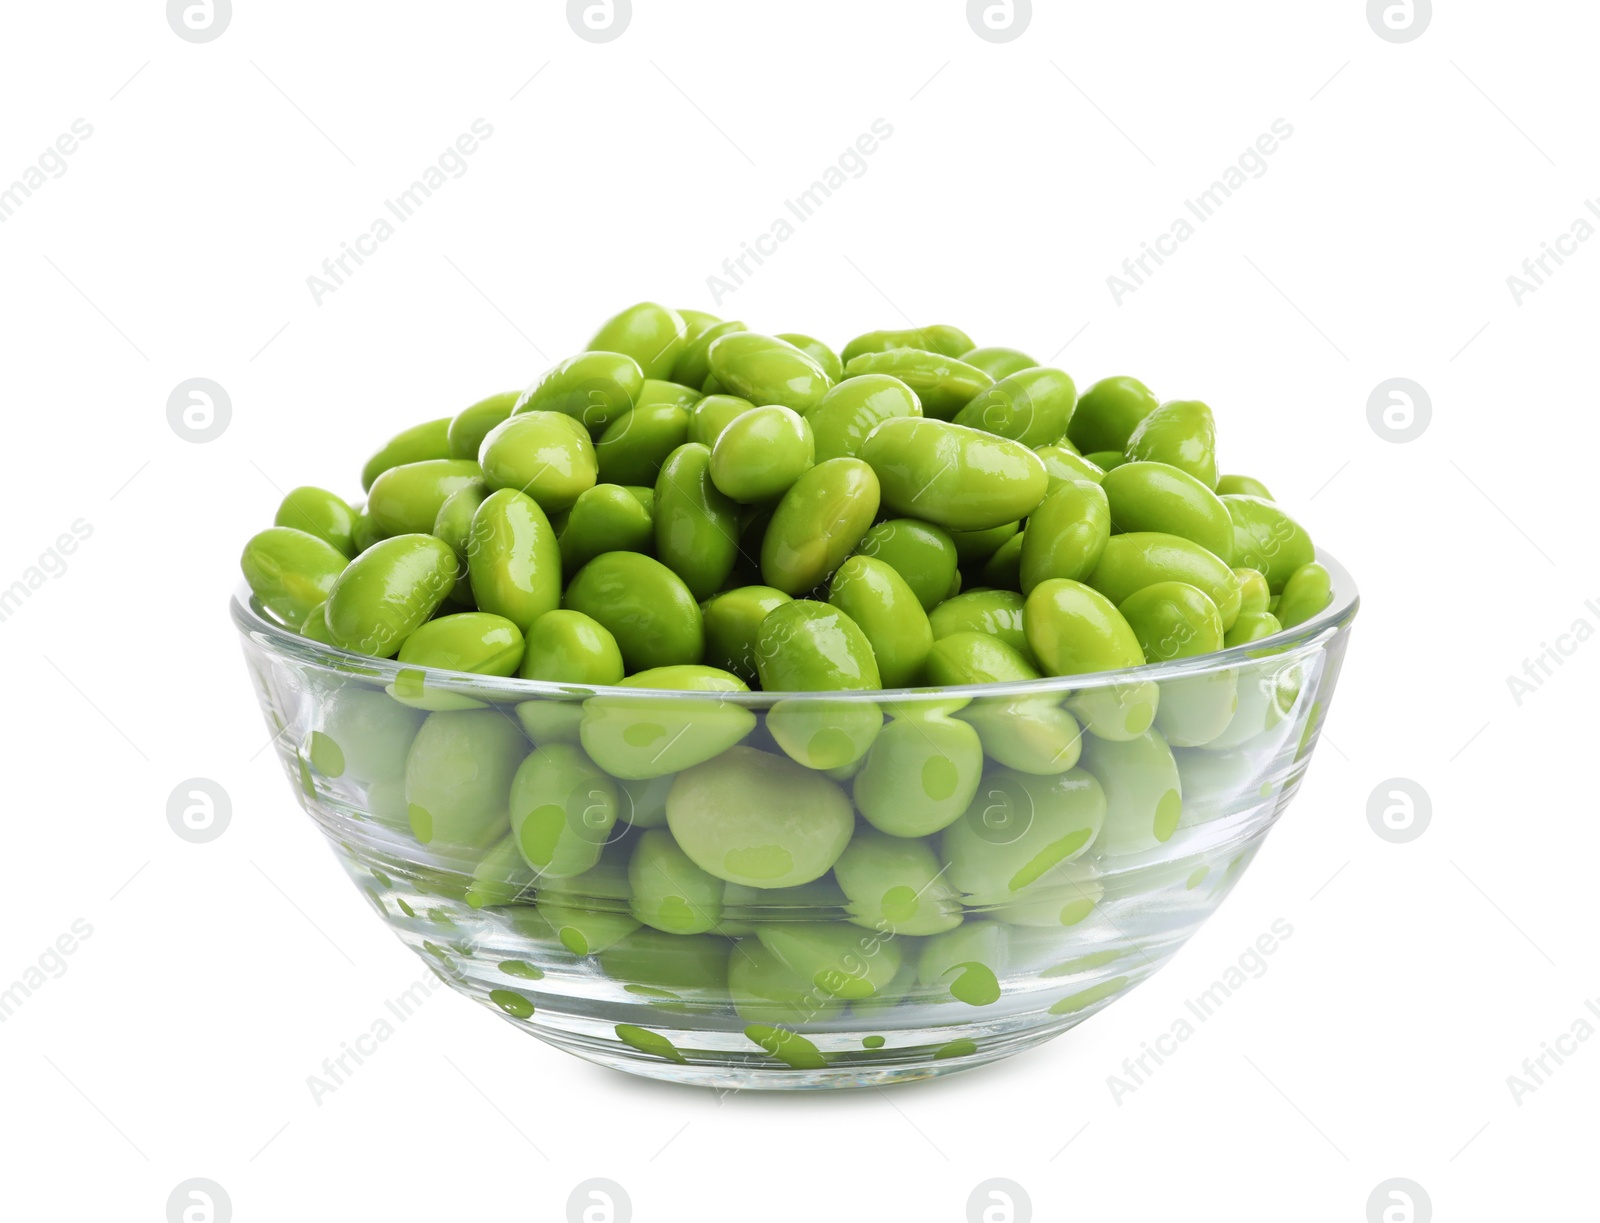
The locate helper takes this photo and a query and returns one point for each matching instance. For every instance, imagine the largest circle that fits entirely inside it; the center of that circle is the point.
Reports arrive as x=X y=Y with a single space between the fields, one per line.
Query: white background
x=178 y=1040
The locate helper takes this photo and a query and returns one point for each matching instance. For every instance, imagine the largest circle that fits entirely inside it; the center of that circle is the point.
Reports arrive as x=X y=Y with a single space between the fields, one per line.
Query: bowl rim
x=254 y=624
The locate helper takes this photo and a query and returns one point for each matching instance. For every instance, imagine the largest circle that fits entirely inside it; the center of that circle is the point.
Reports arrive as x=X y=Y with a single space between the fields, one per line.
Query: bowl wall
x=997 y=864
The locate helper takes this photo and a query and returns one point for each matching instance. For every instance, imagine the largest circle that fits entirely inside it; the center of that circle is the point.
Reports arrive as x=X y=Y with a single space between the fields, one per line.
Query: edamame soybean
x=1182 y=434
x=938 y=338
x=417 y=444
x=943 y=385
x=644 y=605
x=653 y=335
x=592 y=388
x=819 y=522
x=853 y=408
x=1031 y=407
x=958 y=478
x=389 y=592
x=1159 y=497
x=605 y=518
x=761 y=453
x=543 y=454
x=878 y=600
x=318 y=512
x=513 y=558
x=291 y=572
x=471 y=425
x=762 y=821
x=764 y=369
x=921 y=553
x=406 y=500
x=633 y=447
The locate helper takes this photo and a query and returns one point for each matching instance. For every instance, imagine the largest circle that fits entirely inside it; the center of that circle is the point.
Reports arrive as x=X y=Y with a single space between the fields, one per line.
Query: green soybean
x=1254 y=594
x=1158 y=497
x=669 y=892
x=761 y=453
x=390 y=591
x=1031 y=407
x=605 y=518
x=543 y=454
x=732 y=624
x=1138 y=559
x=1308 y=590
x=818 y=522
x=644 y=605
x=1066 y=535
x=878 y=600
x=817 y=351
x=920 y=774
x=854 y=407
x=653 y=335
x=454 y=526
x=994 y=613
x=1017 y=829
x=318 y=512
x=568 y=647
x=998 y=363
x=712 y=415
x=1144 y=795
x=476 y=642
x=1182 y=434
x=1107 y=414
x=513 y=558
x=414 y=445
x=1266 y=539
x=471 y=425
x=291 y=572
x=921 y=553
x=656 y=392
x=895 y=885
x=693 y=364
x=562 y=811
x=458 y=777
x=958 y=478
x=1074 y=629
x=1063 y=464
x=764 y=370
x=943 y=384
x=1252 y=626
x=1247 y=485
x=936 y=338
x=1119 y=711
x=406 y=500
x=754 y=819
x=1173 y=620
x=696 y=523
x=639 y=737
x=632 y=448
x=592 y=388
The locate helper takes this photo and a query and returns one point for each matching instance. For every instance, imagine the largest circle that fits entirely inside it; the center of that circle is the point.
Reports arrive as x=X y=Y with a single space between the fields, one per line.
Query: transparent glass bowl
x=1036 y=908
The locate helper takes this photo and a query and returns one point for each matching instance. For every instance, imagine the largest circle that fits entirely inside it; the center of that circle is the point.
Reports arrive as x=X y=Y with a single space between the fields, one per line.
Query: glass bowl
x=990 y=897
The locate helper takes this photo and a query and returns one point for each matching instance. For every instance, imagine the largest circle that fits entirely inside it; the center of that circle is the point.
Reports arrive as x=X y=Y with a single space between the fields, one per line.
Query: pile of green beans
x=689 y=505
